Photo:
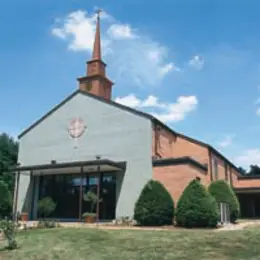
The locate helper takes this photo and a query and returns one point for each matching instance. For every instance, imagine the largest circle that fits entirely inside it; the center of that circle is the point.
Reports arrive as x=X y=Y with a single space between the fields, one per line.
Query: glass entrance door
x=108 y=196
x=106 y=187
x=90 y=184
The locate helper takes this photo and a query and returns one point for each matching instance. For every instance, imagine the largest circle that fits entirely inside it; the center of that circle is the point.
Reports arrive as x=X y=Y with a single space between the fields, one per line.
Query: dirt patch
x=240 y=225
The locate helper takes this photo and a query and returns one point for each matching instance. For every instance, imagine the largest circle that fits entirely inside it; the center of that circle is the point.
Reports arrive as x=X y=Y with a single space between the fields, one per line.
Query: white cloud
x=59 y=33
x=257 y=102
x=130 y=101
x=120 y=31
x=152 y=101
x=167 y=68
x=169 y=112
x=258 y=111
x=135 y=58
x=197 y=62
x=227 y=141
x=179 y=110
x=78 y=29
x=248 y=157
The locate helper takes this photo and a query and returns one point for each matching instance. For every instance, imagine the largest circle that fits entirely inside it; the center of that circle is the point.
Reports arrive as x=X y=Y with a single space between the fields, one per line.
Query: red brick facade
x=175 y=178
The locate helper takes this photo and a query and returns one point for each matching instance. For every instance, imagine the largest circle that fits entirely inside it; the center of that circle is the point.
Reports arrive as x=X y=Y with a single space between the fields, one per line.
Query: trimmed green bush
x=196 y=207
x=222 y=192
x=46 y=206
x=155 y=206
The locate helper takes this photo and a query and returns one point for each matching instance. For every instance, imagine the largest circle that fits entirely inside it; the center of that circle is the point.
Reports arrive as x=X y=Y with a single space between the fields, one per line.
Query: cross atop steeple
x=96 y=55
x=98 y=12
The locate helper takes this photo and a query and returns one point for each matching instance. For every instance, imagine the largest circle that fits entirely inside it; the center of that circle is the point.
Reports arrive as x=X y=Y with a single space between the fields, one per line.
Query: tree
x=222 y=192
x=5 y=200
x=196 y=207
x=92 y=197
x=8 y=228
x=242 y=170
x=155 y=206
x=254 y=170
x=8 y=158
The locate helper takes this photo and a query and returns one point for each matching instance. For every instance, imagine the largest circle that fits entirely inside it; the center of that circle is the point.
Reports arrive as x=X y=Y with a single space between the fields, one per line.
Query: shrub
x=8 y=228
x=222 y=192
x=155 y=206
x=196 y=207
x=46 y=206
x=47 y=224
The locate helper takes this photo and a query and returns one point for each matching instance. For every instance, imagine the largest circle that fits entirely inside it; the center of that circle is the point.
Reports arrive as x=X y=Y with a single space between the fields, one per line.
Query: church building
x=90 y=142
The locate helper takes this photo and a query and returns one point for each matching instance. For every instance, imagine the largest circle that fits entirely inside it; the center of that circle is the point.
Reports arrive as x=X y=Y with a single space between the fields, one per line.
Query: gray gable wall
x=112 y=133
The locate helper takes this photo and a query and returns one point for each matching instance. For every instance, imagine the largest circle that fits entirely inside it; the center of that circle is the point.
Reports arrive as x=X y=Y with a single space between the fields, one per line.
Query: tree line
x=8 y=158
x=254 y=170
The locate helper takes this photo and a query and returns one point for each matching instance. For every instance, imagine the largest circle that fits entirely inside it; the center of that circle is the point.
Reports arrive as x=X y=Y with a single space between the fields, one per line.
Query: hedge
x=196 y=207
x=223 y=192
x=155 y=206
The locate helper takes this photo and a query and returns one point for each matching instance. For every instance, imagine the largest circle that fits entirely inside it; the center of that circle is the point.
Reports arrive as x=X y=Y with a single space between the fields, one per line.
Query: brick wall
x=246 y=183
x=166 y=144
x=163 y=143
x=175 y=178
x=185 y=147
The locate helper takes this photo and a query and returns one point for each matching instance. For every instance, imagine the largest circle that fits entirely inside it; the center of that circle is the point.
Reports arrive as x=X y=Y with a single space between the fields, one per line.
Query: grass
x=96 y=244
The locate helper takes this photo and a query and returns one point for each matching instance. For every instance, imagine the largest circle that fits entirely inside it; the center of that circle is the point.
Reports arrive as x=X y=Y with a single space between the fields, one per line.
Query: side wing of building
x=209 y=165
x=111 y=132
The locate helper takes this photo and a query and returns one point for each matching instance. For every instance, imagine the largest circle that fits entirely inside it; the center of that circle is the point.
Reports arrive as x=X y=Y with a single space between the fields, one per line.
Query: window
x=158 y=133
x=226 y=172
x=215 y=168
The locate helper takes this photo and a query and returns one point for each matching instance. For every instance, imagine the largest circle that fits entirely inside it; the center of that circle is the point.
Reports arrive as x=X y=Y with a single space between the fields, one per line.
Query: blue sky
x=194 y=64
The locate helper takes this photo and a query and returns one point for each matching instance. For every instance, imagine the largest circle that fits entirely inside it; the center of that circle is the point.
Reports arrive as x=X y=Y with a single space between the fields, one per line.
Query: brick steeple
x=96 y=81
x=96 y=55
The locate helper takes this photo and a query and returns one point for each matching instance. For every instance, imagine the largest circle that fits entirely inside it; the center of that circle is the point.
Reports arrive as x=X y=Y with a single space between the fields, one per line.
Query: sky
x=194 y=64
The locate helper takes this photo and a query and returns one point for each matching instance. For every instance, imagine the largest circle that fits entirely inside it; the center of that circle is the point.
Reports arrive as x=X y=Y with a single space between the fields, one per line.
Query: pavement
x=227 y=227
x=240 y=225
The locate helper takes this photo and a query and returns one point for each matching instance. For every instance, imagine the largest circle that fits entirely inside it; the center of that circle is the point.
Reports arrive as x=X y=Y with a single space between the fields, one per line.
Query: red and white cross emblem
x=76 y=127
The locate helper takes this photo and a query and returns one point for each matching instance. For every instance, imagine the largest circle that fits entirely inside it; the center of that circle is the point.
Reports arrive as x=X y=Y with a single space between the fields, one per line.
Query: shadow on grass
x=7 y=249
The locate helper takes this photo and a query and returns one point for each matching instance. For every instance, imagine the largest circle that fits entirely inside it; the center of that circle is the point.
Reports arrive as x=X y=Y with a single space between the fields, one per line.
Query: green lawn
x=96 y=244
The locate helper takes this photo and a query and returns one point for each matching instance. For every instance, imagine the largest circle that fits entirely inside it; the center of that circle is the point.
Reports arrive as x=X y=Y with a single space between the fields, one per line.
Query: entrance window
x=107 y=193
x=65 y=190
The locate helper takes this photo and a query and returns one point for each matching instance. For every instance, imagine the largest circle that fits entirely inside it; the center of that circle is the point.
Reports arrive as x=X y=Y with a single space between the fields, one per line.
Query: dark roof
x=177 y=161
x=133 y=111
x=249 y=177
x=248 y=189
x=99 y=162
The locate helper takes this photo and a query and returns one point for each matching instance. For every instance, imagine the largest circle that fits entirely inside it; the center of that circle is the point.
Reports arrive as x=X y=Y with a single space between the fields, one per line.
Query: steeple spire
x=96 y=55
x=96 y=81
